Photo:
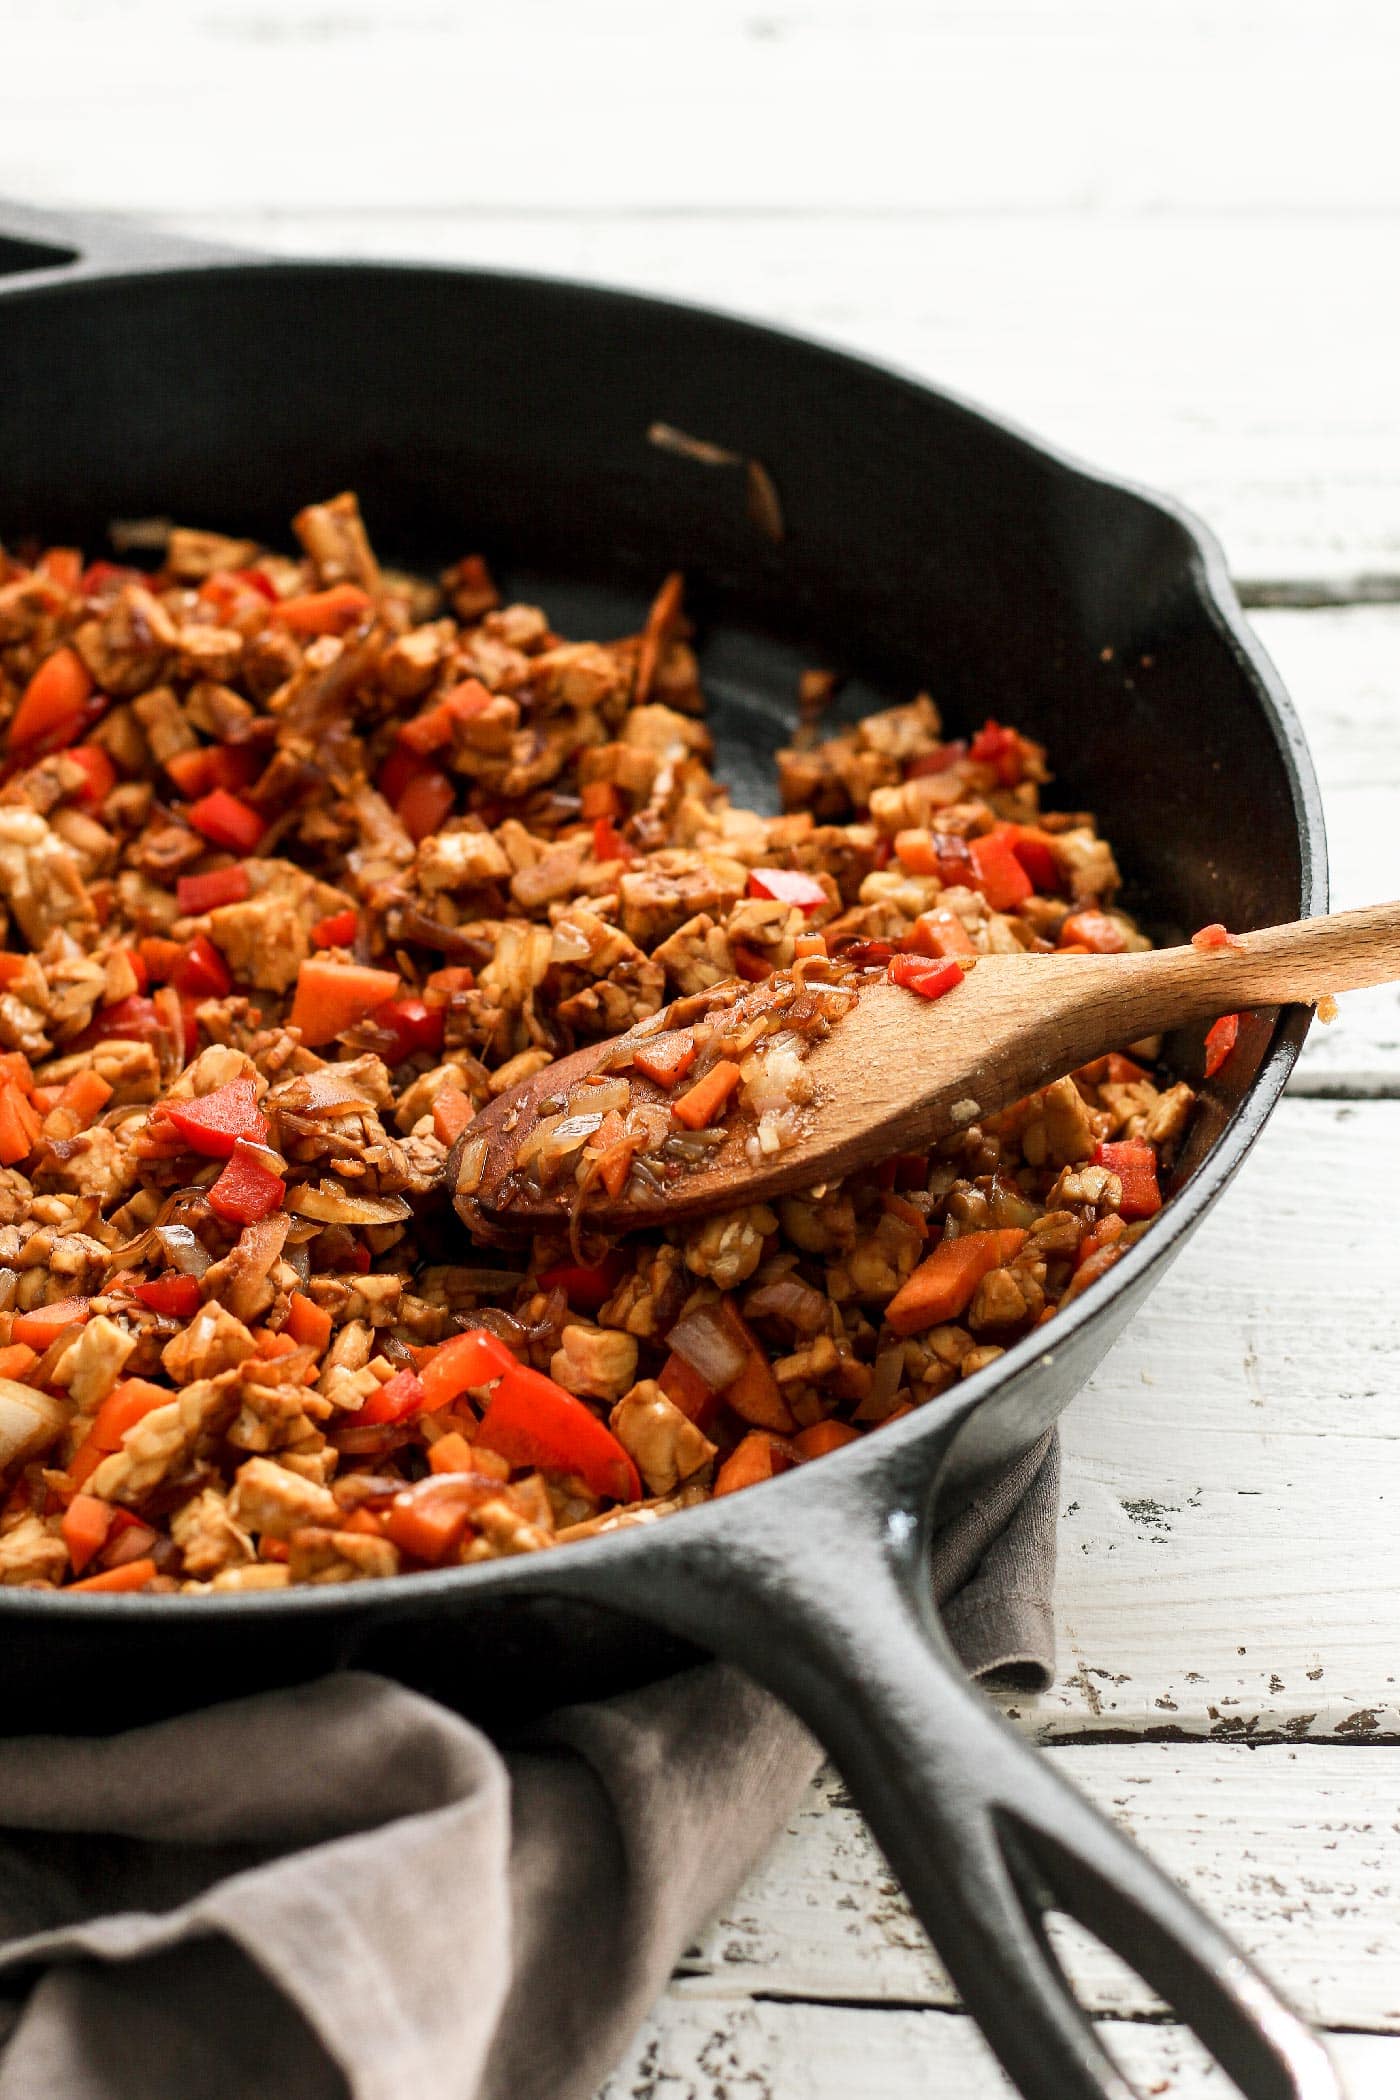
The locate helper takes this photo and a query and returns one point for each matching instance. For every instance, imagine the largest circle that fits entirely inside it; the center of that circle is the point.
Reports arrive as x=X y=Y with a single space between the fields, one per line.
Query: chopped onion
x=29 y=1420
x=332 y=1204
x=186 y=1250
x=133 y=1251
x=789 y=1298
x=531 y=1144
x=889 y=1369
x=569 y=1134
x=472 y=1164
x=709 y=1346
x=603 y=1096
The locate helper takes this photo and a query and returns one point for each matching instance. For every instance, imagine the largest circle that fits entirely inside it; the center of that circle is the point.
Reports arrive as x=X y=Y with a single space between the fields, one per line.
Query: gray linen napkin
x=347 y=1889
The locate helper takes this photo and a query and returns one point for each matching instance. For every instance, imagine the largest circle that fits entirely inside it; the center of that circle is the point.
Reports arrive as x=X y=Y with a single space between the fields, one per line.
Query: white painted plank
x=703 y=103
x=1176 y=351
x=1232 y=1472
x=1343 y=669
x=766 y=2051
x=1292 y=1849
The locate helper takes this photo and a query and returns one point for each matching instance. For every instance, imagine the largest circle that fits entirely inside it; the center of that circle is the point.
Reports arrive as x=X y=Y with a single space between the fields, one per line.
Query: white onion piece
x=602 y=1098
x=889 y=1369
x=709 y=1346
x=334 y=1205
x=29 y=1420
x=472 y=1164
x=185 y=1248
x=531 y=1144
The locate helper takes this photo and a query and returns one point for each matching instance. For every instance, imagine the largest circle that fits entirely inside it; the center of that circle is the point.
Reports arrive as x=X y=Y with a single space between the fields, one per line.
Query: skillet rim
x=872 y=1459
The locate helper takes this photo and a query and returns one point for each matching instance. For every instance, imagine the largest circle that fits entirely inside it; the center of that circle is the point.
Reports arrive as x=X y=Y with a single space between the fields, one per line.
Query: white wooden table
x=1165 y=236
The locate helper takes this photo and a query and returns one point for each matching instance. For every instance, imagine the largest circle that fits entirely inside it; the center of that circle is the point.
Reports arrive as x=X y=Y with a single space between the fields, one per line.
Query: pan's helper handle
x=40 y=243
x=834 y=1615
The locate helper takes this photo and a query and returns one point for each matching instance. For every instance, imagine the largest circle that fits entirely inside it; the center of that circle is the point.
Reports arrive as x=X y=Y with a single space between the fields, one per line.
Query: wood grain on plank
x=773 y=2051
x=1232 y=1472
x=1291 y=1848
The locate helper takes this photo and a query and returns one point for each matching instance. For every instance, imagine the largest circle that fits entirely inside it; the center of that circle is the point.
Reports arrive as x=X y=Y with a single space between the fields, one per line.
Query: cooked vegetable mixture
x=302 y=862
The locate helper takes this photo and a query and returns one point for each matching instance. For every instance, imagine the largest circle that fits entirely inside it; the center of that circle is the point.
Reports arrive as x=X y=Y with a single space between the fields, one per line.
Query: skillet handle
x=50 y=245
x=833 y=1613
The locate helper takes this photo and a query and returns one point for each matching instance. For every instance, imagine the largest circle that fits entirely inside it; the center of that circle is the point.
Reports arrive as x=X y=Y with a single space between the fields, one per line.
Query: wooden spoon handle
x=1277 y=966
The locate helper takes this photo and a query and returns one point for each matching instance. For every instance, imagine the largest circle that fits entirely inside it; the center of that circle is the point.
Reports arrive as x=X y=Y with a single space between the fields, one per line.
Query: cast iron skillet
x=923 y=543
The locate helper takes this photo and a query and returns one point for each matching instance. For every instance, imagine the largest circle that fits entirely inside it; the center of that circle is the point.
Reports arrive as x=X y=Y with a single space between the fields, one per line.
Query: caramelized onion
x=186 y=1250
x=709 y=1346
x=331 y=1204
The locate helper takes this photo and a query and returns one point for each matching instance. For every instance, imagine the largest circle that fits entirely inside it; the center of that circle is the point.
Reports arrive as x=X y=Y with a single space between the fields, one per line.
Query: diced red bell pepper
x=601 y=798
x=475 y=1358
x=412 y=1024
x=308 y=1324
x=425 y=804
x=1002 y=750
x=337 y=929
x=865 y=954
x=929 y=979
x=1135 y=1163
x=197 y=894
x=938 y=760
x=398 y=769
x=102 y=576
x=173 y=1297
x=1221 y=1038
x=200 y=972
x=225 y=821
x=608 y=842
x=586 y=1286
x=101 y=773
x=247 y=1189
x=133 y=1019
x=213 y=766
x=54 y=700
x=533 y=1422
x=63 y=566
x=213 y=1123
x=1032 y=848
x=397 y=1400
x=788 y=886
x=997 y=872
x=1215 y=936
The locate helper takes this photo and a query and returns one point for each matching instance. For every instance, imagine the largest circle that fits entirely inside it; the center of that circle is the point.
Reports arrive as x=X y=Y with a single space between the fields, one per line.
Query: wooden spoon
x=899 y=1071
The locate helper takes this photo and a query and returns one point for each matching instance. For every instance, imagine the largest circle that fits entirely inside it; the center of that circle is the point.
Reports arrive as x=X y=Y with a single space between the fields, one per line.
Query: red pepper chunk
x=337 y=929
x=938 y=760
x=997 y=872
x=929 y=979
x=397 y=1400
x=475 y=1358
x=225 y=821
x=788 y=886
x=200 y=972
x=1221 y=1038
x=197 y=894
x=174 y=1297
x=1215 y=936
x=213 y=1123
x=1032 y=849
x=53 y=704
x=210 y=766
x=531 y=1421
x=1002 y=750
x=101 y=773
x=588 y=1286
x=413 y=1026
x=1135 y=1164
x=247 y=1189
x=608 y=842
x=425 y=804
